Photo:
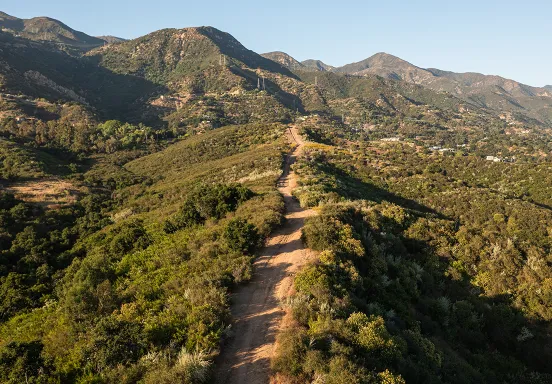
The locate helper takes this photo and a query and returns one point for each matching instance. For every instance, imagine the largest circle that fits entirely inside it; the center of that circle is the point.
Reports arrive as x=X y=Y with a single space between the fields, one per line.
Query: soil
x=257 y=306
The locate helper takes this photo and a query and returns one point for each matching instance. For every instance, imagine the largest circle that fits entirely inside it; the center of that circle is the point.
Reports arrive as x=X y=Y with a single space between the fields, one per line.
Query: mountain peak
x=283 y=59
x=386 y=65
x=111 y=39
x=317 y=65
x=6 y=16
x=169 y=56
x=383 y=55
x=44 y=28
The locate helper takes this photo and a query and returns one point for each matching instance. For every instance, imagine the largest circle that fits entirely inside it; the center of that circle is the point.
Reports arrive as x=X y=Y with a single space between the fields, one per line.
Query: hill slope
x=122 y=242
x=492 y=92
x=168 y=55
x=284 y=59
x=47 y=29
x=111 y=39
x=387 y=66
x=36 y=69
x=317 y=65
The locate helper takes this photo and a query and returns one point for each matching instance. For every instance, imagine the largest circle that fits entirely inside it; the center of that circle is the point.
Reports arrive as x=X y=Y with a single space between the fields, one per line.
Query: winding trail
x=245 y=358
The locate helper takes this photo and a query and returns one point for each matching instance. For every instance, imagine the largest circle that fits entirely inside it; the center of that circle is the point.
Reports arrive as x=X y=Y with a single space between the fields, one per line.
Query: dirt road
x=245 y=358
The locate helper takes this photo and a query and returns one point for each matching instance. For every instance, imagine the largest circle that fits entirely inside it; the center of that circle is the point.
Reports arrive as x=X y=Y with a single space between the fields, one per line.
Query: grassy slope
x=414 y=259
x=192 y=268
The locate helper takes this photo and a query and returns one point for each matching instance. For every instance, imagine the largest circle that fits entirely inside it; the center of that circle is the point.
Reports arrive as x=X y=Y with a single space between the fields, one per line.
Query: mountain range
x=486 y=91
x=289 y=62
x=177 y=63
x=392 y=223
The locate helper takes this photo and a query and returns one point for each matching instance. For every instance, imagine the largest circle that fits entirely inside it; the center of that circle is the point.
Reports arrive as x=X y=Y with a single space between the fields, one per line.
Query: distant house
x=391 y=139
x=494 y=158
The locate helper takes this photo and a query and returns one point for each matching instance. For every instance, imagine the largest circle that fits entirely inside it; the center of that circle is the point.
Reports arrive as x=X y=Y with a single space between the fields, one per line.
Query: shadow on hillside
x=120 y=96
x=452 y=311
x=354 y=188
x=474 y=324
x=289 y=100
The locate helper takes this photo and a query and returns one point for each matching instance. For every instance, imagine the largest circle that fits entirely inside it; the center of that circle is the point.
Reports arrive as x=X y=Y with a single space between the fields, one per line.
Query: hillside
x=111 y=39
x=47 y=29
x=204 y=75
x=515 y=100
x=175 y=72
x=387 y=66
x=294 y=65
x=37 y=70
x=317 y=65
x=494 y=92
x=179 y=209
x=184 y=52
x=284 y=59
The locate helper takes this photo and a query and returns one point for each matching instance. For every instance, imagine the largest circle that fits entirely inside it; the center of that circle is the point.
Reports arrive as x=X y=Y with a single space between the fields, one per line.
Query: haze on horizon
x=505 y=38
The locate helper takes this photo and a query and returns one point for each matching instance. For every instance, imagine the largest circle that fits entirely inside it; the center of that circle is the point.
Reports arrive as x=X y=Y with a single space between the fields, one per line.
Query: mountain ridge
x=111 y=39
x=207 y=59
x=487 y=91
x=318 y=65
x=284 y=59
x=44 y=28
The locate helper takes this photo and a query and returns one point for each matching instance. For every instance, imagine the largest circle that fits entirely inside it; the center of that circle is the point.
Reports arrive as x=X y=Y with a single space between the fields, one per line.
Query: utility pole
x=258 y=83
x=264 y=88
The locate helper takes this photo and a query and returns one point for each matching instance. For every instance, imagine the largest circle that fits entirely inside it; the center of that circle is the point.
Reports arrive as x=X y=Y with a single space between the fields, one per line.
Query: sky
x=507 y=38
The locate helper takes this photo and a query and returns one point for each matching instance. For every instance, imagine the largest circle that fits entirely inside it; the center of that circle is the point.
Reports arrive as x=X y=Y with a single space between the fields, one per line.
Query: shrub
x=291 y=353
x=326 y=232
x=242 y=236
x=314 y=280
x=115 y=342
x=387 y=377
x=344 y=371
x=374 y=338
x=217 y=200
x=207 y=202
x=131 y=235
x=22 y=363
x=193 y=367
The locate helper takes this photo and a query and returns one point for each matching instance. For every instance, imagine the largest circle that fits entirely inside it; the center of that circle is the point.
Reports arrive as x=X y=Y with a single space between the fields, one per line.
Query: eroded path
x=256 y=306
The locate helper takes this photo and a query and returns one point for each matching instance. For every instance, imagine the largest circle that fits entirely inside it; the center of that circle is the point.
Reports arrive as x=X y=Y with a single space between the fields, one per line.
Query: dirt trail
x=256 y=306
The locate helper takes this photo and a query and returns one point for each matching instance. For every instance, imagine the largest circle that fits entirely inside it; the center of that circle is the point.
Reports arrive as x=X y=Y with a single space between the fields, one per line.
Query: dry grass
x=50 y=193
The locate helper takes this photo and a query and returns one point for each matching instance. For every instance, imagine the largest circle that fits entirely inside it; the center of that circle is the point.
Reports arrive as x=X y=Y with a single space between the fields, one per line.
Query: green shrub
x=316 y=281
x=291 y=353
x=23 y=363
x=206 y=202
x=242 y=236
x=131 y=235
x=115 y=342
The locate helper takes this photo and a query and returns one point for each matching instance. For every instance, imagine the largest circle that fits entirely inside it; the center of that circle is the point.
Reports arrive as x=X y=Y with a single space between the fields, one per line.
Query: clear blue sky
x=507 y=38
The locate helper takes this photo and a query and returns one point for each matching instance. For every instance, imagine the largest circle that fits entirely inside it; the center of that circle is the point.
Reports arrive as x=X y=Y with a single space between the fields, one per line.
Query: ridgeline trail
x=256 y=308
